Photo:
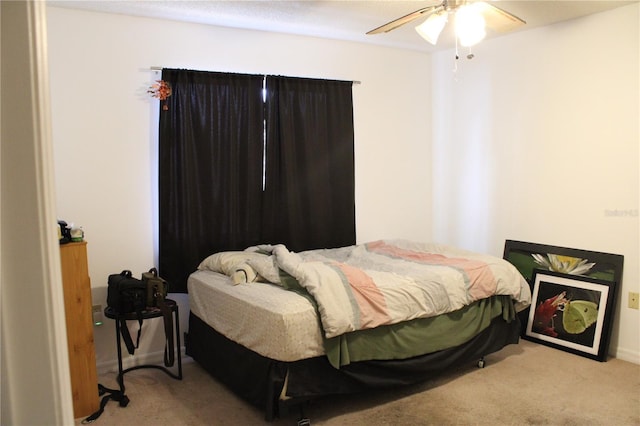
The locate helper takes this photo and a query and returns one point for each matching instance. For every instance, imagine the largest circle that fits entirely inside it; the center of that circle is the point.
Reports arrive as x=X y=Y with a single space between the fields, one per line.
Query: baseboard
x=128 y=361
x=627 y=355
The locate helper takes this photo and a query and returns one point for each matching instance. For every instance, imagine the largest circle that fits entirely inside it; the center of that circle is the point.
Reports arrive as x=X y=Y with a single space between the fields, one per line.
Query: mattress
x=274 y=322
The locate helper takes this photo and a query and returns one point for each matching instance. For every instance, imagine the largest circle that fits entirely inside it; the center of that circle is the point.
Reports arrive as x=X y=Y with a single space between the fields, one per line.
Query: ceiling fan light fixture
x=431 y=28
x=470 y=25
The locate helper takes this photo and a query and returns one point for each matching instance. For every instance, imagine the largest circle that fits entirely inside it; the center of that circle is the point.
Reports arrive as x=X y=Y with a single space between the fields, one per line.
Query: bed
x=280 y=328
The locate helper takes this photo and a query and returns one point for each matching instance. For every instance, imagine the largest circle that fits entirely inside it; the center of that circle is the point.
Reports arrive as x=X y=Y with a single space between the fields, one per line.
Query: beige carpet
x=525 y=384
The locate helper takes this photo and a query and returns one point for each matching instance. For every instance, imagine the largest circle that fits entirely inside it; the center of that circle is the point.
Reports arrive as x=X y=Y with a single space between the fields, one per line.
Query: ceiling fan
x=471 y=17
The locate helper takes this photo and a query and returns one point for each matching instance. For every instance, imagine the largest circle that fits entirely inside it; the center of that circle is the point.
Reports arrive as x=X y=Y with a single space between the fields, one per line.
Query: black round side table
x=148 y=313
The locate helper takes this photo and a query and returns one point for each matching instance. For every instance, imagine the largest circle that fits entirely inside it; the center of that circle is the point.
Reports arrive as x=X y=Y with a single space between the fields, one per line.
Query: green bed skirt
x=420 y=336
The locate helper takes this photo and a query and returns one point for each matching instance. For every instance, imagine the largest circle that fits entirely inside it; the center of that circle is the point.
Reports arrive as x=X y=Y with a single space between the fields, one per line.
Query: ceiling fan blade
x=499 y=20
x=404 y=20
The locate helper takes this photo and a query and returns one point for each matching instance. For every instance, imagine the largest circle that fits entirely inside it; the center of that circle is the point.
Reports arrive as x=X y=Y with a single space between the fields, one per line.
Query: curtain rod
x=161 y=68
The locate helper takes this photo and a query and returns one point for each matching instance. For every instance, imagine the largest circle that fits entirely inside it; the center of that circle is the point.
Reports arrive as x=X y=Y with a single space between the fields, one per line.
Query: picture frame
x=605 y=266
x=528 y=258
x=572 y=313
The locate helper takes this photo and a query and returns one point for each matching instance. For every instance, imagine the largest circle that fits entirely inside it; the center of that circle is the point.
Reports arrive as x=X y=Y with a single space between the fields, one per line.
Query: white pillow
x=226 y=262
x=244 y=274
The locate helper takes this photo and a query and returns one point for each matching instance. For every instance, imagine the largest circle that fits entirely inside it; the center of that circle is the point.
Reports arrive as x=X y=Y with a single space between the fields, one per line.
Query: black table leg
x=120 y=378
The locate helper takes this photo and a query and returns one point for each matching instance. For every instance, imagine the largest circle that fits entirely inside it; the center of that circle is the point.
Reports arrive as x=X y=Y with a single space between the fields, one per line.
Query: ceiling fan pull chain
x=455 y=63
x=470 y=55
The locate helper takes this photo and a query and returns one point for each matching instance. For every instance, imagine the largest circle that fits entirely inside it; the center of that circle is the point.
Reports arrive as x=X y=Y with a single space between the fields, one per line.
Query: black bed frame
x=259 y=380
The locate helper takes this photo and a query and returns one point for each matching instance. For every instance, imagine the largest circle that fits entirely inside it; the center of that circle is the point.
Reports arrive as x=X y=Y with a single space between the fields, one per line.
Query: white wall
x=104 y=127
x=537 y=139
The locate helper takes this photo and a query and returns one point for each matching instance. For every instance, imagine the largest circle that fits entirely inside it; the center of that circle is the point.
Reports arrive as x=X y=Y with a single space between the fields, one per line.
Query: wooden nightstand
x=77 y=305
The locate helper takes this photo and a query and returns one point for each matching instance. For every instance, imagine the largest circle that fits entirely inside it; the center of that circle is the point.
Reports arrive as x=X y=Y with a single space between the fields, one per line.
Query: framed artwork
x=527 y=257
x=571 y=312
x=531 y=258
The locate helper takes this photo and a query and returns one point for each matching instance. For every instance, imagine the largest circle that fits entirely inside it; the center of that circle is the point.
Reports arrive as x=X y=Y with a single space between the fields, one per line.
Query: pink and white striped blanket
x=386 y=282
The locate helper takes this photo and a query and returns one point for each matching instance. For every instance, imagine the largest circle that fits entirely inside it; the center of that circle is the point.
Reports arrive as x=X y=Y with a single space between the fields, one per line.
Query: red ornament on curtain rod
x=160 y=90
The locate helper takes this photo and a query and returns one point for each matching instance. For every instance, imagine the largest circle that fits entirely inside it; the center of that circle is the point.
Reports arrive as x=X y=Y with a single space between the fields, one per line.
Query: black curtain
x=221 y=188
x=309 y=199
x=210 y=168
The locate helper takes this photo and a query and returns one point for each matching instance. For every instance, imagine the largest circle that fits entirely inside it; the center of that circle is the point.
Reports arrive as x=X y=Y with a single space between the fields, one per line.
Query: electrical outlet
x=633 y=300
x=96 y=311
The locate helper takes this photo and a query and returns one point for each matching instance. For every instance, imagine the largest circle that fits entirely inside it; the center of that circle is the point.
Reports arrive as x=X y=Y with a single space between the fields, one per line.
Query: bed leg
x=303 y=421
x=481 y=362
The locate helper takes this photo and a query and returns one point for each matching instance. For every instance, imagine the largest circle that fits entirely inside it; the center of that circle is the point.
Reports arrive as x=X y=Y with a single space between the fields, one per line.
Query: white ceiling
x=344 y=20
